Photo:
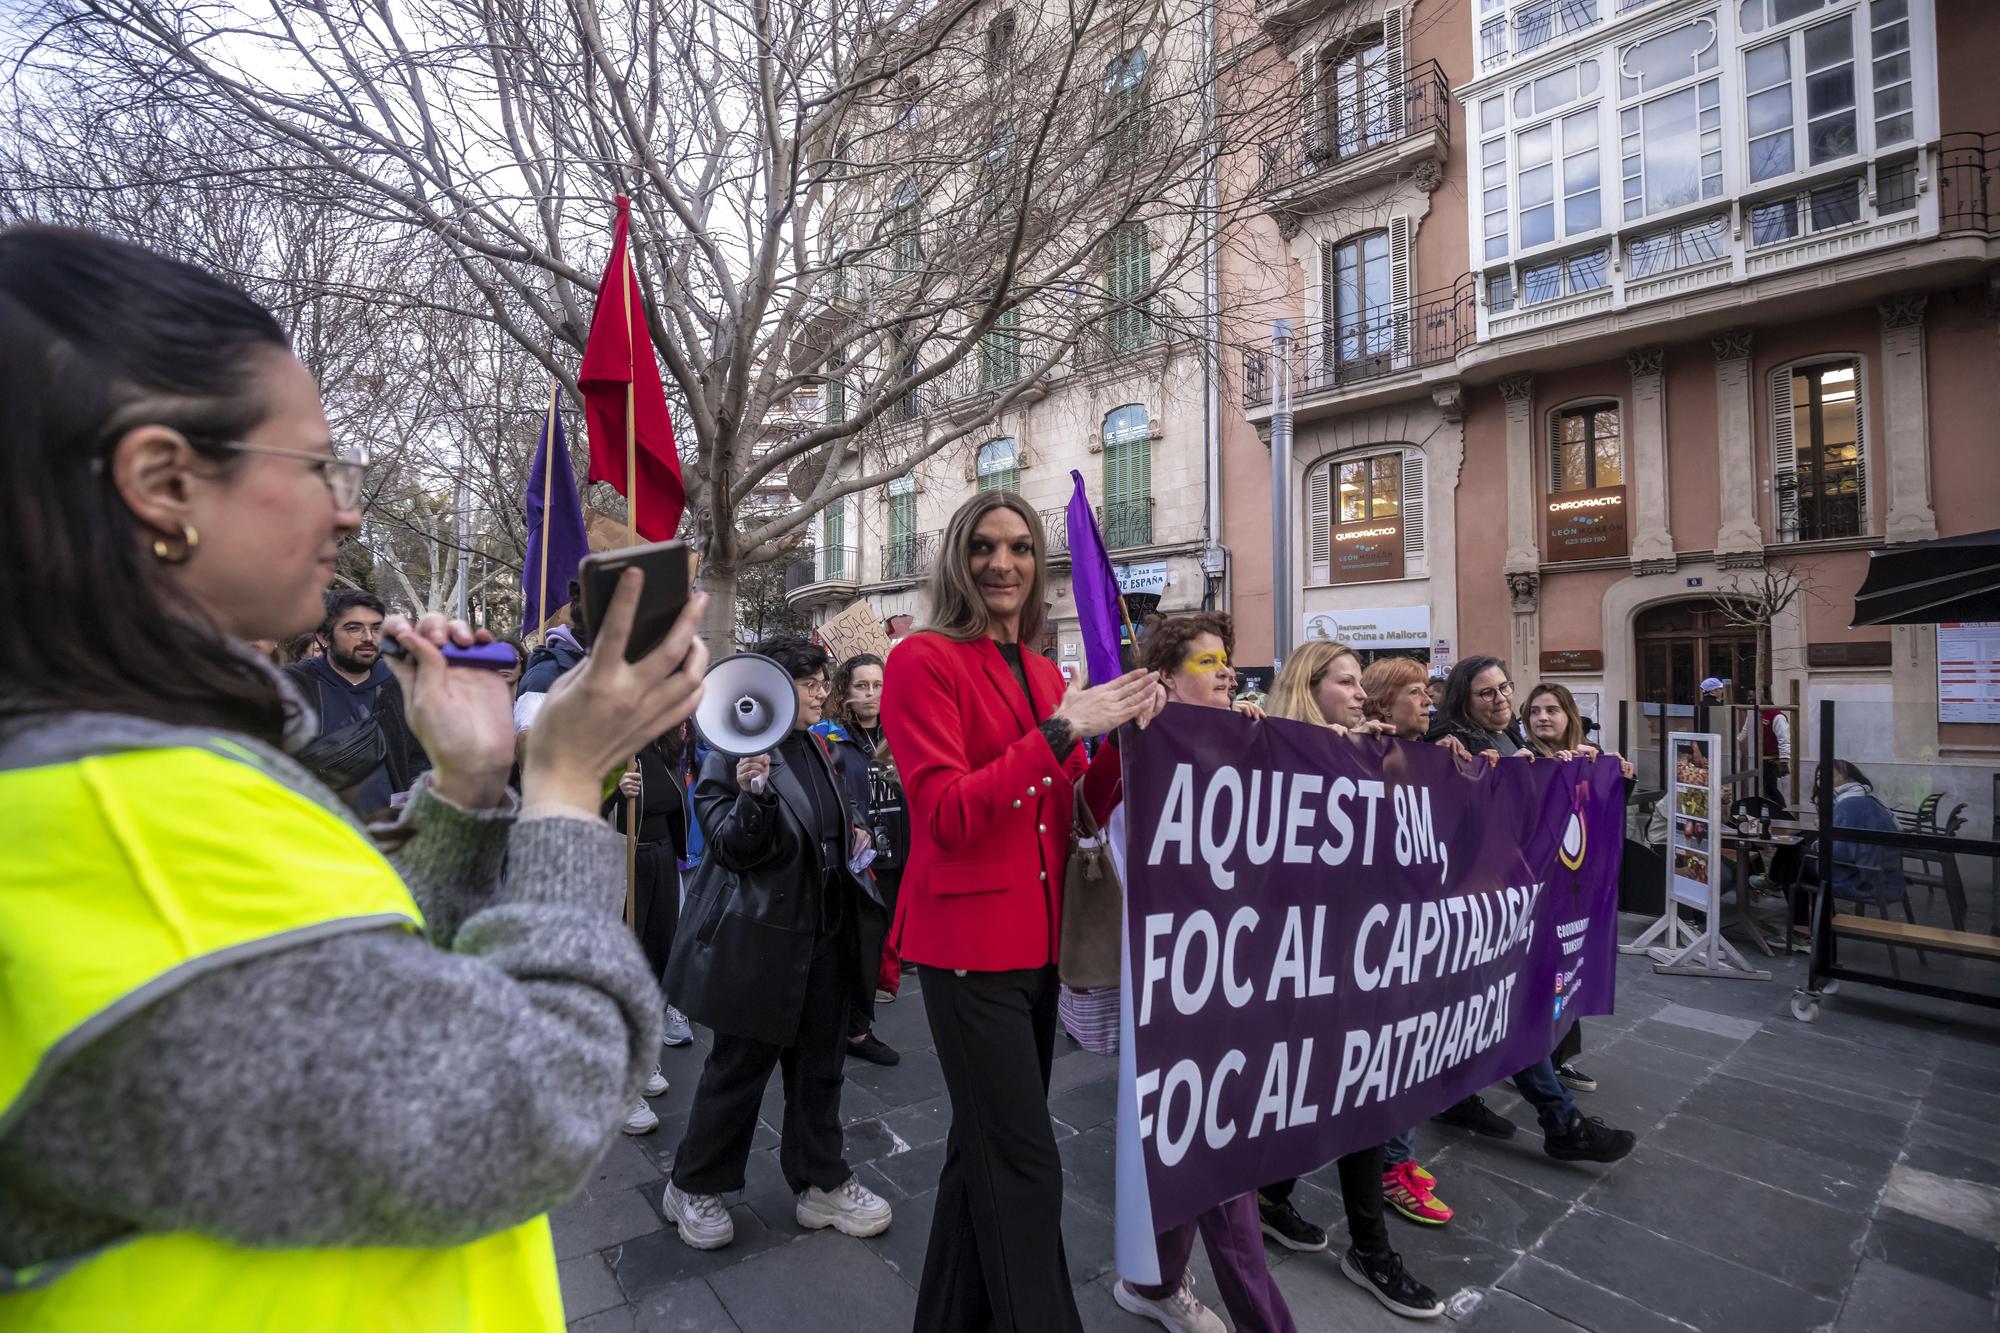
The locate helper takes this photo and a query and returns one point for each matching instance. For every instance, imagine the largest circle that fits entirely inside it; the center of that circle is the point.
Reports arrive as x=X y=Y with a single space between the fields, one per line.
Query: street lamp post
x=1281 y=491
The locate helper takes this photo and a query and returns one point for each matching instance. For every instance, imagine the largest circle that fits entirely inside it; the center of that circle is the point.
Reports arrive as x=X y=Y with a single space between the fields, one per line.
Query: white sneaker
x=676 y=1032
x=642 y=1120
x=701 y=1219
x=852 y=1209
x=884 y=996
x=656 y=1083
x=1180 y=1312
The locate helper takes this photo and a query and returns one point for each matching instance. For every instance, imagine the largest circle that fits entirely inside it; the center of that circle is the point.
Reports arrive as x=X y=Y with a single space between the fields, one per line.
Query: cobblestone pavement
x=1841 y=1176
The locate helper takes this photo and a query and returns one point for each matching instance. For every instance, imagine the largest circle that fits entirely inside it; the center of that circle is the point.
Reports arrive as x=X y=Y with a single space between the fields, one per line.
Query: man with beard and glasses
x=349 y=683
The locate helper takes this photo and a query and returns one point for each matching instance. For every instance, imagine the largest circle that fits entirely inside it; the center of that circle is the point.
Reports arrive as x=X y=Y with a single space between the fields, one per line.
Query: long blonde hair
x=958 y=612
x=1292 y=693
x=1573 y=732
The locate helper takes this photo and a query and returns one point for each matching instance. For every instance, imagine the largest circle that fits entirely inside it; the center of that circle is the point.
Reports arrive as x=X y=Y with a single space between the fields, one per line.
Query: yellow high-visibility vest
x=128 y=874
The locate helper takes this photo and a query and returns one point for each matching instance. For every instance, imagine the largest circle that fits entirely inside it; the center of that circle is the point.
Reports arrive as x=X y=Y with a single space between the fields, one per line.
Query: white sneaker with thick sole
x=884 y=996
x=852 y=1209
x=704 y=1224
x=1180 y=1312
x=642 y=1120
x=675 y=1030
x=656 y=1083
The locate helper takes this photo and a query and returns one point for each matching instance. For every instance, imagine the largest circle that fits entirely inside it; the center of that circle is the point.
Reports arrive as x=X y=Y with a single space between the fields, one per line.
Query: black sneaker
x=1474 y=1114
x=1575 y=1079
x=1283 y=1224
x=1589 y=1139
x=1390 y=1283
x=874 y=1050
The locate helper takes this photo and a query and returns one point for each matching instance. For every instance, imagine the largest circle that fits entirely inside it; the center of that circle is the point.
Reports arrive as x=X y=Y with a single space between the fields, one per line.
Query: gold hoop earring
x=189 y=540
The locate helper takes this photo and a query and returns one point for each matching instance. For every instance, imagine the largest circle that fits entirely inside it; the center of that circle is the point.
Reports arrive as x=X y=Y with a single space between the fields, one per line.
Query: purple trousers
x=1235 y=1239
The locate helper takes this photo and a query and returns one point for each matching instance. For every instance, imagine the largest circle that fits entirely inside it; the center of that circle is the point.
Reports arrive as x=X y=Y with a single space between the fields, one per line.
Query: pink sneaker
x=1406 y=1187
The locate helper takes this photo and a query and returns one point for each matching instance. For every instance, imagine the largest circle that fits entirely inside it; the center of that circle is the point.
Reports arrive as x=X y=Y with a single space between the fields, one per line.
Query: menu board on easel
x=1696 y=797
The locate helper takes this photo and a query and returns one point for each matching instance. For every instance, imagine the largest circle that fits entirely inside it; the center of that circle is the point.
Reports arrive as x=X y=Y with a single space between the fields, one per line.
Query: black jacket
x=339 y=703
x=663 y=812
x=752 y=913
x=1474 y=739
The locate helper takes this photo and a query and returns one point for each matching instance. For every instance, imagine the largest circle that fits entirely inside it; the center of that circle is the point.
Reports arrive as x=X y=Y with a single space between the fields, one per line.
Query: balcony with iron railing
x=1383 y=341
x=910 y=557
x=1341 y=142
x=1968 y=182
x=1126 y=524
x=827 y=574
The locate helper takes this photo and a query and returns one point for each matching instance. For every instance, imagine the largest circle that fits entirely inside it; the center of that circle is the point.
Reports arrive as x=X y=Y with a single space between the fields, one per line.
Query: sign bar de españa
x=1585 y=525
x=1333 y=938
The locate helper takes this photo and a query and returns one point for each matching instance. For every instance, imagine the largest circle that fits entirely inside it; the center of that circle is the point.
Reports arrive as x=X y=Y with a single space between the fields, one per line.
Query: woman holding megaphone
x=257 y=1075
x=989 y=744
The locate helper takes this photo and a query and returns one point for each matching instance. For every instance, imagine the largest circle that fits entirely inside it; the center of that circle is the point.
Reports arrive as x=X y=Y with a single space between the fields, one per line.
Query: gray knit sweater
x=371 y=1088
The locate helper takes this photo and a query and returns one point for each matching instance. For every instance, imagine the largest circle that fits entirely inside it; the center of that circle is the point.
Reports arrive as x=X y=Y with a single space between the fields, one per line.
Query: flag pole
x=632 y=536
x=548 y=481
x=631 y=402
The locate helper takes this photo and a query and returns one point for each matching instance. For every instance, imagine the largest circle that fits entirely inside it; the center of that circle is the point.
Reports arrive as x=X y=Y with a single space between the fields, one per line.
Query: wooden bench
x=1917 y=937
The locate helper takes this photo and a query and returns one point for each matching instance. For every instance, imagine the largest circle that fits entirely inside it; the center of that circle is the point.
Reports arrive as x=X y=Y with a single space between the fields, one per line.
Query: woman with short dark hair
x=284 y=1017
x=989 y=743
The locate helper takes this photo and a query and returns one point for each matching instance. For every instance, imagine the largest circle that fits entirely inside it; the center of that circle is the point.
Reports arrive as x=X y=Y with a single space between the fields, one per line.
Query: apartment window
x=1000 y=41
x=1128 y=477
x=1128 y=282
x=999 y=176
x=1683 y=246
x=836 y=395
x=1574 y=275
x=1557 y=168
x=1895 y=186
x=1670 y=145
x=1127 y=110
x=1818 y=456
x=999 y=465
x=1368 y=489
x=1354 y=287
x=1493 y=183
x=1757 y=15
x=833 y=540
x=1542 y=21
x=1357 y=78
x=1000 y=352
x=1808 y=212
x=906 y=222
x=900 y=554
x=1889 y=48
x=1586 y=448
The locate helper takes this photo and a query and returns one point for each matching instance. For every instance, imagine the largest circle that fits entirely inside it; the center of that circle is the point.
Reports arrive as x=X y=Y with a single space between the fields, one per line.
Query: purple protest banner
x=1331 y=938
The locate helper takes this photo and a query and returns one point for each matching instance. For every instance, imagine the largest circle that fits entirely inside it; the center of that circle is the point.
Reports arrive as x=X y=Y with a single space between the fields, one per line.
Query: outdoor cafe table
x=1739 y=875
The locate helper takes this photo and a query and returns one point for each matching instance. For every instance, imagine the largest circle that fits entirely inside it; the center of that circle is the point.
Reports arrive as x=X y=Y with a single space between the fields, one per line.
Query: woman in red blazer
x=988 y=744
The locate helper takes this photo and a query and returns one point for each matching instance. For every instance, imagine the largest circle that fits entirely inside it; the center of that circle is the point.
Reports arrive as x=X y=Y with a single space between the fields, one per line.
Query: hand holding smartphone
x=668 y=573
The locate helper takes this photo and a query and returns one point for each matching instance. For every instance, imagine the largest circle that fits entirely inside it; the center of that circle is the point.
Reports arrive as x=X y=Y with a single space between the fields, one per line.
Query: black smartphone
x=660 y=603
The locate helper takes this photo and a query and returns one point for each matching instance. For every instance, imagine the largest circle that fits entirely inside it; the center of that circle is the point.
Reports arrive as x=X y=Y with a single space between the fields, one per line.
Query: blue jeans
x=1400 y=1149
x=1546 y=1093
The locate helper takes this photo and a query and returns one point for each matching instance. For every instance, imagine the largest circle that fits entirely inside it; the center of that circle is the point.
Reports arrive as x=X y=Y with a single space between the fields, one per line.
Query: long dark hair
x=98 y=337
x=957 y=610
x=1457 y=702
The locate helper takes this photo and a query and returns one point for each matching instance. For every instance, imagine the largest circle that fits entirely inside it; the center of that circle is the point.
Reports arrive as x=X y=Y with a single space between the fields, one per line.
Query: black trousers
x=1360 y=1195
x=1570 y=1046
x=656 y=902
x=712 y=1156
x=874 y=933
x=996 y=1254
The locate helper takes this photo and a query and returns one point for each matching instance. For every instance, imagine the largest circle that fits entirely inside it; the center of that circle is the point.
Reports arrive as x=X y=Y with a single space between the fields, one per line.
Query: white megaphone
x=748 y=705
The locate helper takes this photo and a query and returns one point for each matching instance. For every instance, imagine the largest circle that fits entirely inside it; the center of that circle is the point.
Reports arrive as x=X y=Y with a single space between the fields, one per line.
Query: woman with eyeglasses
x=348 y=1085
x=1478 y=711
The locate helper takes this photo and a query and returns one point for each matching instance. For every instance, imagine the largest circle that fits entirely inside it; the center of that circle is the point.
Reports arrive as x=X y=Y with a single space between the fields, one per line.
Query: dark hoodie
x=341 y=703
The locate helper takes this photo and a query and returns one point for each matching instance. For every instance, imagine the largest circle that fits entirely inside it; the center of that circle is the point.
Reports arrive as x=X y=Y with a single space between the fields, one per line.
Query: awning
x=1927 y=583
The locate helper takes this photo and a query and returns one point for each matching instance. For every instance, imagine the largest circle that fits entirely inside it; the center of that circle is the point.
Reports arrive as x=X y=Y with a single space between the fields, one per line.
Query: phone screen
x=660 y=602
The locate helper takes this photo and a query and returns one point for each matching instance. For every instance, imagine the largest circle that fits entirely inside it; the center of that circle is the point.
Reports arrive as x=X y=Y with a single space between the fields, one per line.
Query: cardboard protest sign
x=1329 y=939
x=856 y=630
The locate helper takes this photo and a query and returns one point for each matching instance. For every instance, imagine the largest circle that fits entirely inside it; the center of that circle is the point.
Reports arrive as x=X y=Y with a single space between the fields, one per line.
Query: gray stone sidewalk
x=1841 y=1176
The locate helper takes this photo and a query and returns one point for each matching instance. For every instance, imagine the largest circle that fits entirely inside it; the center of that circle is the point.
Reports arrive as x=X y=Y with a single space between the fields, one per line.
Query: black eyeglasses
x=1495 y=693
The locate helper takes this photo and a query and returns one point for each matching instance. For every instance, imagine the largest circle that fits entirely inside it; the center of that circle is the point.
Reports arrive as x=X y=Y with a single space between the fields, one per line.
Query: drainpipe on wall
x=1281 y=491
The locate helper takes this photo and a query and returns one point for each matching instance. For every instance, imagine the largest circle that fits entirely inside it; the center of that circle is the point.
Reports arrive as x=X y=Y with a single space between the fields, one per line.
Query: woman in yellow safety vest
x=253 y=1073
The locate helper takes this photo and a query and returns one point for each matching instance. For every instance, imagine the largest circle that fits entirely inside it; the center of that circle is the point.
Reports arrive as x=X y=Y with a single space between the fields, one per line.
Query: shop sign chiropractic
x=1332 y=938
x=1586 y=525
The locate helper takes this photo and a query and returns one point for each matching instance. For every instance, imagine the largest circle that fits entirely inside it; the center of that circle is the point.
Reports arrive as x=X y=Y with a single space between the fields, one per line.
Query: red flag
x=624 y=403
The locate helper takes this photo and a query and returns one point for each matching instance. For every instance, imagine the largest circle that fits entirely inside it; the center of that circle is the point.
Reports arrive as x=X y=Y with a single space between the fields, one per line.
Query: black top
x=1011 y=654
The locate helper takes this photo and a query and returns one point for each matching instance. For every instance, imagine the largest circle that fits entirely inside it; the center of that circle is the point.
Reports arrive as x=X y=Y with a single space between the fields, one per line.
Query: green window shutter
x=899 y=555
x=833 y=526
x=1128 y=478
x=1129 y=274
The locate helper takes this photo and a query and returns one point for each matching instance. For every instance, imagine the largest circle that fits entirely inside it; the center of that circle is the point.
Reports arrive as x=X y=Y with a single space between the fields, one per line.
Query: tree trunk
x=718 y=622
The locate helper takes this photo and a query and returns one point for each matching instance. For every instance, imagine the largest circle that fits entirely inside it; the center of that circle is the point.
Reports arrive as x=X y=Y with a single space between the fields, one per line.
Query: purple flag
x=1096 y=589
x=1331 y=939
x=552 y=560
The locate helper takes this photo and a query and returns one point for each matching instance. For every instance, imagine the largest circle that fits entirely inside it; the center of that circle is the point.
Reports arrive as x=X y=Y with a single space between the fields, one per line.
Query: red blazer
x=990 y=805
